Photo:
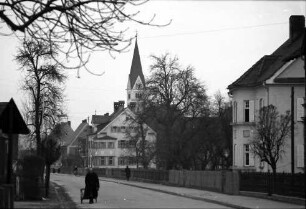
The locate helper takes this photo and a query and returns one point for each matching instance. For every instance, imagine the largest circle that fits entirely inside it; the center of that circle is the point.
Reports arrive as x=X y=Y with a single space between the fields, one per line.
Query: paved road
x=113 y=195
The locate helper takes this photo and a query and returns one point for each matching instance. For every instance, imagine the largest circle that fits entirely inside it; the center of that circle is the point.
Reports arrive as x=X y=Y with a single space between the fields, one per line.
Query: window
x=248 y=157
x=118 y=129
x=113 y=129
x=122 y=129
x=102 y=160
x=246 y=154
x=246 y=111
x=110 y=160
x=138 y=95
x=110 y=145
x=132 y=143
x=122 y=160
x=131 y=160
x=122 y=144
x=103 y=145
x=129 y=96
x=235 y=134
x=246 y=133
x=138 y=86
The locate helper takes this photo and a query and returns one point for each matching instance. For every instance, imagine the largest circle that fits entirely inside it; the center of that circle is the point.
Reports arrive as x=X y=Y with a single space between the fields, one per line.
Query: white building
x=108 y=145
x=269 y=81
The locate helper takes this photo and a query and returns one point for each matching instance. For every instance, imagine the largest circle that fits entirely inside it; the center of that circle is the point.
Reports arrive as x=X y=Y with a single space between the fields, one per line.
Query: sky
x=220 y=39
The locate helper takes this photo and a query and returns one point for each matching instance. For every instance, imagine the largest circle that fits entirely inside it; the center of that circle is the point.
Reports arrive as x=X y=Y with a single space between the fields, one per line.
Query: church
x=114 y=138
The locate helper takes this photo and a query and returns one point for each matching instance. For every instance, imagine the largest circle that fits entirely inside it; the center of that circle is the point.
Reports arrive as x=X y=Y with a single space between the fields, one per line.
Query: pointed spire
x=136 y=69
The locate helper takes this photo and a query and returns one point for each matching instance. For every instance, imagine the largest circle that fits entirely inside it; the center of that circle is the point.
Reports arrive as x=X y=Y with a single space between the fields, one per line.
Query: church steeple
x=136 y=80
x=136 y=69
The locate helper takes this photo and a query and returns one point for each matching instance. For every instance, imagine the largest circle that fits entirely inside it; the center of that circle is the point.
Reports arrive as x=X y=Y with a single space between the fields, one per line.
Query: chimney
x=116 y=106
x=84 y=121
x=296 y=25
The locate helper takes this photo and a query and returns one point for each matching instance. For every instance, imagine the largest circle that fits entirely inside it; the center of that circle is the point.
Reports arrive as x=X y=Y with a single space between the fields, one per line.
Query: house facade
x=271 y=80
x=108 y=145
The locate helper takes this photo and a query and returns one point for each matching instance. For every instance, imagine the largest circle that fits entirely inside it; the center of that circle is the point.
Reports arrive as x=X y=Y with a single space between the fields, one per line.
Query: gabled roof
x=268 y=65
x=77 y=133
x=18 y=126
x=104 y=120
x=136 y=69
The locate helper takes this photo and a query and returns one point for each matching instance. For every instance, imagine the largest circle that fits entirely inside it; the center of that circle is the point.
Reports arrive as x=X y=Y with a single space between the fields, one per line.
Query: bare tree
x=221 y=109
x=138 y=141
x=51 y=151
x=80 y=25
x=173 y=98
x=270 y=137
x=43 y=84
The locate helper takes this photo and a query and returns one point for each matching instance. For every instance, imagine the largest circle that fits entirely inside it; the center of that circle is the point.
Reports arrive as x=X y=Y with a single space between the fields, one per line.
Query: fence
x=220 y=181
x=283 y=183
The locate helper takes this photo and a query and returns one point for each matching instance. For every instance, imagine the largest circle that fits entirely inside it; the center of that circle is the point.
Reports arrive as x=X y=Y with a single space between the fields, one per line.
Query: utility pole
x=304 y=119
x=292 y=132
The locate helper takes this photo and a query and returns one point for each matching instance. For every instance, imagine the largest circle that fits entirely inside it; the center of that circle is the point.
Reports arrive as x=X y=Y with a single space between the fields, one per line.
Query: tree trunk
x=47 y=179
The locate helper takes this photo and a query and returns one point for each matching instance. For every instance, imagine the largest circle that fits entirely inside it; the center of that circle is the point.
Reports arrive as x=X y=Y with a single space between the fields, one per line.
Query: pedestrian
x=91 y=185
x=127 y=173
x=75 y=170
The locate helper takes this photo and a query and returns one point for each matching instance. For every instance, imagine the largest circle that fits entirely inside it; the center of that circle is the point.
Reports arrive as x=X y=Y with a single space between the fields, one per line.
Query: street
x=114 y=195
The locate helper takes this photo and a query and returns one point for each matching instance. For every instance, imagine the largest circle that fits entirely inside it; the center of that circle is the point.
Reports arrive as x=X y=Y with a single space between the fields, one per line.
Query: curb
x=285 y=199
x=62 y=197
x=181 y=195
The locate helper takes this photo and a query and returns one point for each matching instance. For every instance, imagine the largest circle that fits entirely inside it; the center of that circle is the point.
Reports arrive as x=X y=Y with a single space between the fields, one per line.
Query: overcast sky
x=220 y=39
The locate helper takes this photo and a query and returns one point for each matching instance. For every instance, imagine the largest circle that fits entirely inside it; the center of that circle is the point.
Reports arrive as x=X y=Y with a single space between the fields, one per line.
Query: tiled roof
x=270 y=64
x=136 y=69
x=99 y=119
x=104 y=120
x=76 y=133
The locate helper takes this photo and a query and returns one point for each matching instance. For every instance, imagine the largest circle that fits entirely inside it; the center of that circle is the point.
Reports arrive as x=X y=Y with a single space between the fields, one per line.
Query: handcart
x=82 y=191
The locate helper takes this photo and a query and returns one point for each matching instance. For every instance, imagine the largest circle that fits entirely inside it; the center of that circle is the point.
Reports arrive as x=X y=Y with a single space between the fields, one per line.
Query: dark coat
x=127 y=172
x=91 y=185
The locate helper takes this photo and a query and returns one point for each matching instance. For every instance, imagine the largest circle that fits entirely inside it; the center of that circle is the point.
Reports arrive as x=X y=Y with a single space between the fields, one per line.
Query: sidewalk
x=234 y=201
x=58 y=198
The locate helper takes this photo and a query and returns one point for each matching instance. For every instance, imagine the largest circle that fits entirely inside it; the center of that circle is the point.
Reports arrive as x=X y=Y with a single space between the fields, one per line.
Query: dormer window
x=138 y=86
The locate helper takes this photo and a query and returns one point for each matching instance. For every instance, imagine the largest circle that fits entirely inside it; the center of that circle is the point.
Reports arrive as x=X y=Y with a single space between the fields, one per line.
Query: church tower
x=136 y=82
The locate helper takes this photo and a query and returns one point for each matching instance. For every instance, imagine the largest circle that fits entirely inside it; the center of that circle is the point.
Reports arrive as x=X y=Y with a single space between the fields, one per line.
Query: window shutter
x=300 y=156
x=233 y=111
x=235 y=154
x=252 y=110
x=240 y=157
x=239 y=111
x=299 y=109
x=252 y=157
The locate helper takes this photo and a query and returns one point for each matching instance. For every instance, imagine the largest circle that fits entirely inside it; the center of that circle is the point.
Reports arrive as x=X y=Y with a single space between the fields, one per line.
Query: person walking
x=91 y=185
x=75 y=170
x=127 y=173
